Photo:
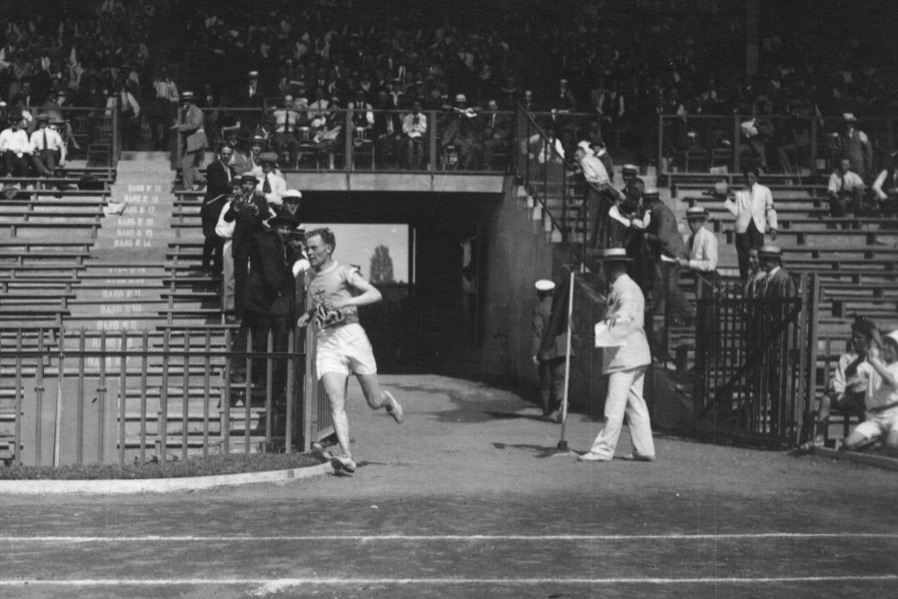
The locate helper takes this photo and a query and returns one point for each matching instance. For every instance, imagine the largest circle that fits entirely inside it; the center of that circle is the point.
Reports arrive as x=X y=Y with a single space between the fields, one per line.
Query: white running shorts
x=344 y=349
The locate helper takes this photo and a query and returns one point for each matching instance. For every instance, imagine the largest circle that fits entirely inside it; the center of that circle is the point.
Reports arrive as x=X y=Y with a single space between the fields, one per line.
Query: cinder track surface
x=466 y=499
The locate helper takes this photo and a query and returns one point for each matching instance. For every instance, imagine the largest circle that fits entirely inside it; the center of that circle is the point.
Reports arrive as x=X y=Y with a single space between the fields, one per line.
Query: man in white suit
x=625 y=361
x=754 y=212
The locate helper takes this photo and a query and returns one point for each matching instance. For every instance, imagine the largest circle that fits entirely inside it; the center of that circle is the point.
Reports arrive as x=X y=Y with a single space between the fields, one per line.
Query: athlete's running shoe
x=394 y=408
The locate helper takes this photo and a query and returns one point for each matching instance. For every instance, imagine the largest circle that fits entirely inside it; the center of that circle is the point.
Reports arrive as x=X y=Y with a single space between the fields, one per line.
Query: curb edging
x=859 y=458
x=156 y=485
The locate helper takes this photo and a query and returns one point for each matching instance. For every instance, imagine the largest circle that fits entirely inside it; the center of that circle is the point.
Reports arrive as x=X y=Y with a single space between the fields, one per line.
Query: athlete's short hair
x=326 y=235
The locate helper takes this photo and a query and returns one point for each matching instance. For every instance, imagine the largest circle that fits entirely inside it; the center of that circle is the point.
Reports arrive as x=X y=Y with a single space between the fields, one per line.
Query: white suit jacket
x=755 y=204
x=627 y=303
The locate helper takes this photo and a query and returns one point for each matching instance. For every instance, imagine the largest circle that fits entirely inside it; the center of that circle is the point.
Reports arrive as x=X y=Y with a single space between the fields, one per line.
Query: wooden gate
x=755 y=365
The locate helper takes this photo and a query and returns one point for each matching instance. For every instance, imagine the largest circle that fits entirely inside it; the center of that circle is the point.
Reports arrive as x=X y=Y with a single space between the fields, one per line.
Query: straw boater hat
x=187 y=95
x=544 y=285
x=612 y=255
x=770 y=251
x=268 y=157
x=257 y=140
x=630 y=168
x=697 y=213
x=249 y=177
x=651 y=194
x=893 y=336
x=292 y=195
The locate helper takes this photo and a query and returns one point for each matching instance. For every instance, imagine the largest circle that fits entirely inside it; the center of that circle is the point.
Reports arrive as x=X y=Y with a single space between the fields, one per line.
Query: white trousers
x=625 y=396
x=228 y=275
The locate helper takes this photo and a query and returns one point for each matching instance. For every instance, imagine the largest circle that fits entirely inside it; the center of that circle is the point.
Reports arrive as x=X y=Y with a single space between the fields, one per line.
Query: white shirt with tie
x=278 y=188
x=702 y=250
x=16 y=142
x=48 y=139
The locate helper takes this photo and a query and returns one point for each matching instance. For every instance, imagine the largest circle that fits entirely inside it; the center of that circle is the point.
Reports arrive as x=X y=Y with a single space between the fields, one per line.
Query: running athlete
x=336 y=290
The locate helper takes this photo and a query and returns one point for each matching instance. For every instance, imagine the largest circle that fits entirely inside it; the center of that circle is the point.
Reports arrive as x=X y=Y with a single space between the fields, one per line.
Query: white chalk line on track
x=412 y=538
x=288 y=582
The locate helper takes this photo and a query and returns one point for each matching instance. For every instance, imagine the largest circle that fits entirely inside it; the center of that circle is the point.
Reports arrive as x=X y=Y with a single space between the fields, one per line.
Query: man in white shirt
x=414 y=127
x=47 y=146
x=845 y=190
x=754 y=212
x=701 y=243
x=271 y=185
x=285 y=121
x=15 y=148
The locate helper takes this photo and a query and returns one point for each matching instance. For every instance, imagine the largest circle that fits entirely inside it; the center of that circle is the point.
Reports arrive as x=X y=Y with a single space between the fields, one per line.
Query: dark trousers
x=840 y=204
x=667 y=291
x=15 y=166
x=240 y=251
x=260 y=325
x=212 y=247
x=751 y=239
x=551 y=383
x=45 y=162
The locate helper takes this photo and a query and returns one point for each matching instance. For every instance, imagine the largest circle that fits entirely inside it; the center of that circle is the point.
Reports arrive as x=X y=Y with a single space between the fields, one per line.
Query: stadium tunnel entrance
x=472 y=258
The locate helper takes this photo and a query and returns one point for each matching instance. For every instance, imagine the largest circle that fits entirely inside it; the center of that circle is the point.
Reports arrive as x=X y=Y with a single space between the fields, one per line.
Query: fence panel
x=755 y=375
x=88 y=396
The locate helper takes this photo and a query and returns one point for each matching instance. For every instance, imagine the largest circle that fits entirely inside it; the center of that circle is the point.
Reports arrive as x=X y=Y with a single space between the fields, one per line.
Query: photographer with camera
x=847 y=390
x=881 y=402
x=248 y=211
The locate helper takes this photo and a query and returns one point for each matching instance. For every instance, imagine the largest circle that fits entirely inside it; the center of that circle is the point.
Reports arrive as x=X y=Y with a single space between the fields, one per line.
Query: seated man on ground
x=847 y=390
x=882 y=397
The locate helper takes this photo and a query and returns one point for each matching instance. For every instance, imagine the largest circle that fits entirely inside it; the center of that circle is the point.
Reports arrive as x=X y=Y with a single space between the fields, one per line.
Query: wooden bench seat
x=801 y=235
x=15 y=227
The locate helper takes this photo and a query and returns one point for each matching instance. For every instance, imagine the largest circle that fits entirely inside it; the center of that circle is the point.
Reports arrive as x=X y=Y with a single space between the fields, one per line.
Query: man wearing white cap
x=548 y=352
x=882 y=396
x=625 y=357
x=597 y=182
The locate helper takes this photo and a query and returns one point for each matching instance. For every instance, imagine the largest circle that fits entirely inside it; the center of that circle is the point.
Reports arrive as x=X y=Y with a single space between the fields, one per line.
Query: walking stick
x=562 y=443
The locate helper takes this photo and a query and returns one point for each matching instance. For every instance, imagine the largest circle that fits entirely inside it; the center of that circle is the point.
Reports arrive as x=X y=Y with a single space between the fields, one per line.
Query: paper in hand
x=609 y=336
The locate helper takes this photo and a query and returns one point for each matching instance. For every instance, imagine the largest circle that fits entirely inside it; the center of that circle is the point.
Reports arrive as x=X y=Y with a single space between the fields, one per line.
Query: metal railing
x=792 y=146
x=340 y=139
x=76 y=397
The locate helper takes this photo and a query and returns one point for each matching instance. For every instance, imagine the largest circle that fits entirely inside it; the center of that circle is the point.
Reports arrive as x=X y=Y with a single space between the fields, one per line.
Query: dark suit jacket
x=270 y=285
x=779 y=286
x=663 y=233
x=217 y=185
x=217 y=181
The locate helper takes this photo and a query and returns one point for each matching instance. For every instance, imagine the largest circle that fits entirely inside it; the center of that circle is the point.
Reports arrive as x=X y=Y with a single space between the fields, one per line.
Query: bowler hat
x=282 y=218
